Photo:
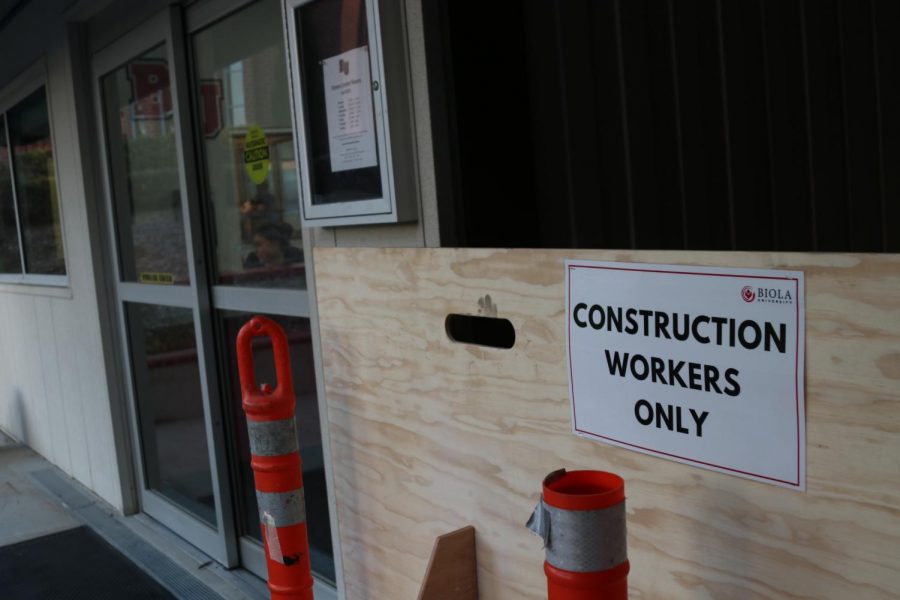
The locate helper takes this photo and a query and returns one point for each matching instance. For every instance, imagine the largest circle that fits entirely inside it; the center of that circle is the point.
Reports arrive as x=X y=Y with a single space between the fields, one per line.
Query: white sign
x=348 y=108
x=699 y=365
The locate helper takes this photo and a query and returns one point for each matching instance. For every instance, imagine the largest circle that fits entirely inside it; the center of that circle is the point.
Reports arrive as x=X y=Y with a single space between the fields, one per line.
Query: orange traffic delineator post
x=275 y=459
x=581 y=517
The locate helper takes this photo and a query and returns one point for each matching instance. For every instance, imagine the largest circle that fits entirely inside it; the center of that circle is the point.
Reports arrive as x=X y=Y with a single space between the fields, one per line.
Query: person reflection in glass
x=258 y=211
x=273 y=247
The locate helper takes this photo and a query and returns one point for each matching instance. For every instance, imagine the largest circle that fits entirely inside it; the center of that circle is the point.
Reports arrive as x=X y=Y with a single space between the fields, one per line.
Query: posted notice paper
x=700 y=365
x=348 y=105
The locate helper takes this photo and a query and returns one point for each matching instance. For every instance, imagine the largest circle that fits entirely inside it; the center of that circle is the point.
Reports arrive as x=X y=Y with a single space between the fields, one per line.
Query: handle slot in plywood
x=480 y=331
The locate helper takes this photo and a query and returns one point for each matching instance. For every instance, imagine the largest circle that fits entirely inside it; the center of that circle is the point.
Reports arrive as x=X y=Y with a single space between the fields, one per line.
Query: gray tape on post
x=539 y=522
x=282 y=509
x=272 y=438
x=586 y=541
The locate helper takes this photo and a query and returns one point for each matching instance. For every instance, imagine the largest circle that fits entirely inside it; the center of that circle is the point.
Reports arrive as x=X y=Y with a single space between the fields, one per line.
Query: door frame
x=175 y=27
x=167 y=27
x=284 y=302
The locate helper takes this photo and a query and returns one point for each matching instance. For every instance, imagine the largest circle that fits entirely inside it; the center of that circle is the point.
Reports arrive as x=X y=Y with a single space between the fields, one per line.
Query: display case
x=352 y=111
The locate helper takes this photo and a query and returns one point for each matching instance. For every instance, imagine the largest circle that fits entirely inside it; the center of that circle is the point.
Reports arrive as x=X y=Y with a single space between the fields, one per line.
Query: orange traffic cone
x=581 y=517
x=275 y=460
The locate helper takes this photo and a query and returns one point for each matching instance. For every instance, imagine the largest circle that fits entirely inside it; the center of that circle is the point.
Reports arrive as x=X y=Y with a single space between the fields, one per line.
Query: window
x=31 y=246
x=140 y=123
x=248 y=151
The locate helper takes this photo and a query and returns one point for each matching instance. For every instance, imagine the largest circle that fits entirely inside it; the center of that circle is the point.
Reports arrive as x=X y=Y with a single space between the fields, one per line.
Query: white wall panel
x=53 y=381
x=28 y=394
x=56 y=416
x=77 y=319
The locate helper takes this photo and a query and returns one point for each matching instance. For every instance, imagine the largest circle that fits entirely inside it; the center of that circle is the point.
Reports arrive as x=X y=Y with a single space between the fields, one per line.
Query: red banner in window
x=150 y=88
x=211 y=107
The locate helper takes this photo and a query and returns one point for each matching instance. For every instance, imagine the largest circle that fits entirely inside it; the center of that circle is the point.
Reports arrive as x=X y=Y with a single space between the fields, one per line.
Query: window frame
x=389 y=71
x=29 y=81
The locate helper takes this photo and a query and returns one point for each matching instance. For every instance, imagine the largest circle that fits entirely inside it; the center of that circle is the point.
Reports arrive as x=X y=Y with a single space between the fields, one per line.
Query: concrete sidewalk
x=26 y=512
x=37 y=499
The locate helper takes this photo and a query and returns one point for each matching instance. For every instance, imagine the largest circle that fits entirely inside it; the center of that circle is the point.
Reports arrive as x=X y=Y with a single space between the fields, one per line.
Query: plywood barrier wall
x=429 y=435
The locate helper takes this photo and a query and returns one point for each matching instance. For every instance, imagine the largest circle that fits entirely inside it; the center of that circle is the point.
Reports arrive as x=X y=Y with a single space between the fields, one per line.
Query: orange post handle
x=275 y=460
x=265 y=402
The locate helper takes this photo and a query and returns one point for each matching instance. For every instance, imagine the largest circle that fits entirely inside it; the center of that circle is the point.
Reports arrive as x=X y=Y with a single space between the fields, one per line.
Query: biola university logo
x=767 y=295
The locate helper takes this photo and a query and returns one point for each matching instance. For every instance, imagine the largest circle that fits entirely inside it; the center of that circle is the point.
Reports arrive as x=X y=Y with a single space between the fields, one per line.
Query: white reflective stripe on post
x=270 y=533
x=272 y=438
x=281 y=509
x=582 y=541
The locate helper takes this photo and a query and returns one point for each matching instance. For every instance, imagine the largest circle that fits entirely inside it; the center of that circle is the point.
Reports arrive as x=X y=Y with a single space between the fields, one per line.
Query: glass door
x=204 y=209
x=162 y=308
x=257 y=263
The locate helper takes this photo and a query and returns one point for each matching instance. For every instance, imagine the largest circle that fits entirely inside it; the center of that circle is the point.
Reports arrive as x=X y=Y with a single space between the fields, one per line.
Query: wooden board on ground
x=452 y=572
x=428 y=435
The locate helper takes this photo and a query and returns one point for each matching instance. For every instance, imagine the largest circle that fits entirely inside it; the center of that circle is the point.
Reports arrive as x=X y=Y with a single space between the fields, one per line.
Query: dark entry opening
x=757 y=125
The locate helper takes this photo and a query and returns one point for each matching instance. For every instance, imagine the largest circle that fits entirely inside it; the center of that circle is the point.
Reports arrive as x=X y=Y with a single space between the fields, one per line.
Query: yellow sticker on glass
x=256 y=154
x=163 y=278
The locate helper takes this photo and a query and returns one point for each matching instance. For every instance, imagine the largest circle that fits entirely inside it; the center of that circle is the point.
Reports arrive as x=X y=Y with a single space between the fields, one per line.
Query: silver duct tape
x=539 y=522
x=281 y=509
x=586 y=541
x=272 y=438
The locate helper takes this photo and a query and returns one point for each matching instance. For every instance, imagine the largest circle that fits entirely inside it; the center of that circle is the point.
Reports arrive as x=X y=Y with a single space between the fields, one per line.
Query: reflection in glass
x=10 y=261
x=308 y=430
x=170 y=407
x=143 y=165
x=248 y=149
x=35 y=181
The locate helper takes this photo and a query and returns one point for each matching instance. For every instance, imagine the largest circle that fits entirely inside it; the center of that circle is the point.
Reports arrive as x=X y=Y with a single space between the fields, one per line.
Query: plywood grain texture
x=429 y=435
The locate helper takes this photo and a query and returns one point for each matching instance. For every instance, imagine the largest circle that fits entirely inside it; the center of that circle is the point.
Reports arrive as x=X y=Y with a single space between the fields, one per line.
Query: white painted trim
x=110 y=253
x=164 y=295
x=24 y=84
x=23 y=286
x=146 y=36
x=88 y=153
x=290 y=302
x=57 y=281
x=204 y=13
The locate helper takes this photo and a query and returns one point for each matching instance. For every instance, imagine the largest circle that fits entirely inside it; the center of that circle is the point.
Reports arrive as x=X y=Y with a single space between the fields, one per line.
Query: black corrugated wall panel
x=671 y=124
